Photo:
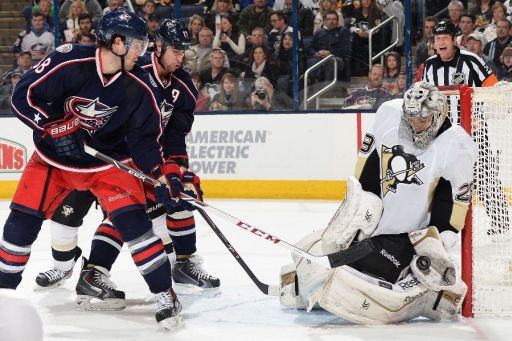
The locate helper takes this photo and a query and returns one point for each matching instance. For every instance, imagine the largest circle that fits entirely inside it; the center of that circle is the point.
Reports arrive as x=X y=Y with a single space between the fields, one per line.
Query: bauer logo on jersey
x=458 y=78
x=398 y=167
x=93 y=114
x=166 y=112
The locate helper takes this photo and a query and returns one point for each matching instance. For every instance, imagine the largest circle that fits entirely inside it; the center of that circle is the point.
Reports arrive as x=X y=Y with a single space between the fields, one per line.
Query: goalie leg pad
x=445 y=304
x=431 y=264
x=289 y=290
x=360 y=213
x=363 y=299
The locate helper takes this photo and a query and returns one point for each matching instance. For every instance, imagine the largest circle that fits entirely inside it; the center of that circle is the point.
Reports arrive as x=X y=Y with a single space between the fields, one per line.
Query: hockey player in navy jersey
x=178 y=101
x=100 y=97
x=415 y=173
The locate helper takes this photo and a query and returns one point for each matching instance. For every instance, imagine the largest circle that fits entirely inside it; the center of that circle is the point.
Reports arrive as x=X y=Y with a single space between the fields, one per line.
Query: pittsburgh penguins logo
x=398 y=167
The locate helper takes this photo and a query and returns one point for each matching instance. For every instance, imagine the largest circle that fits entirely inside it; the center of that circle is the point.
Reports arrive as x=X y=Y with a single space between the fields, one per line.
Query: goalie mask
x=424 y=111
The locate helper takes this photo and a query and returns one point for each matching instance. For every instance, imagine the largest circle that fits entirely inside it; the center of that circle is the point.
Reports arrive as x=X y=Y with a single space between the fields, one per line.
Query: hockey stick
x=271 y=290
x=332 y=260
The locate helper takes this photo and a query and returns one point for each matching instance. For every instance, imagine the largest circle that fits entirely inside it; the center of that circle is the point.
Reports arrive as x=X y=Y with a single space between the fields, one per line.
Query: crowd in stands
x=243 y=49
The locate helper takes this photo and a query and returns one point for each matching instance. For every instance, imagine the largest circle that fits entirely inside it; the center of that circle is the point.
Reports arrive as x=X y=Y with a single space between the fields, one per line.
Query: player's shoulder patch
x=65 y=48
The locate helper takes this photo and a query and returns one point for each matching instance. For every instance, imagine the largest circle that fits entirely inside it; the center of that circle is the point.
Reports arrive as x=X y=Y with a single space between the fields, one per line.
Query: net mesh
x=491 y=237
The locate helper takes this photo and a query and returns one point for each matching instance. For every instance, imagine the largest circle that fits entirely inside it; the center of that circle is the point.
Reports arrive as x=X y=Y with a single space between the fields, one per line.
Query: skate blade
x=189 y=289
x=58 y=285
x=85 y=302
x=172 y=324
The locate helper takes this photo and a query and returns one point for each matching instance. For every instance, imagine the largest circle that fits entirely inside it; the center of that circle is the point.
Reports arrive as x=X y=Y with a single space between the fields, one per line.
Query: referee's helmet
x=445 y=27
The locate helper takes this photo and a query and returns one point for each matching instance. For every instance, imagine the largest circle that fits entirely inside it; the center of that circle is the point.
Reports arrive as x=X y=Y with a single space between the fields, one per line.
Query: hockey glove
x=168 y=194
x=67 y=137
x=192 y=187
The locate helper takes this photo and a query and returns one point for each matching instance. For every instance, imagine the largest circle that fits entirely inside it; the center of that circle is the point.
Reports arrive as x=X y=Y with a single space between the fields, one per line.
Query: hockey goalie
x=404 y=209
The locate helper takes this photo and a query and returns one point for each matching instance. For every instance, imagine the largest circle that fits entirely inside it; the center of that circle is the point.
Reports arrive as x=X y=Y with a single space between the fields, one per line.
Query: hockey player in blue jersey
x=178 y=101
x=96 y=96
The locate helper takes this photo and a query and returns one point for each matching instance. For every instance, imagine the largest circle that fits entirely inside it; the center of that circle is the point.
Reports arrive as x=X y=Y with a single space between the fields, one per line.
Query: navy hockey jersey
x=120 y=115
x=178 y=103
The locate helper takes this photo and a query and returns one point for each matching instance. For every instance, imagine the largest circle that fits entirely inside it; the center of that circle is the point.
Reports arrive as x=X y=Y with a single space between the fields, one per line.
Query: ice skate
x=168 y=310
x=95 y=291
x=55 y=278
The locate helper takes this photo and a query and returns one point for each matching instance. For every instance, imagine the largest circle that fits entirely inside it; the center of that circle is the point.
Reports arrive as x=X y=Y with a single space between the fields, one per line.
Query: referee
x=453 y=66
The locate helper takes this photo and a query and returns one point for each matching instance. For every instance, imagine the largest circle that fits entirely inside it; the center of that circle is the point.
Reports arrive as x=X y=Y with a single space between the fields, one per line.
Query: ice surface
x=240 y=311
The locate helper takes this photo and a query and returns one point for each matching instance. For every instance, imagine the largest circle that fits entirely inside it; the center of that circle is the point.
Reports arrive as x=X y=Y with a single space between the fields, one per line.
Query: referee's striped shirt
x=465 y=68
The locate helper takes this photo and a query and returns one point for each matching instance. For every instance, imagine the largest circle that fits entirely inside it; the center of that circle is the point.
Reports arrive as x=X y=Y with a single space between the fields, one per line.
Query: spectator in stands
x=147 y=9
x=45 y=7
x=197 y=58
x=400 y=86
x=421 y=53
x=475 y=43
x=466 y=27
x=214 y=73
x=112 y=4
x=231 y=41
x=8 y=87
x=266 y=97
x=255 y=15
x=92 y=7
x=326 y=6
x=152 y=25
x=203 y=99
x=260 y=65
x=280 y=5
x=195 y=25
x=23 y=63
x=76 y=9
x=483 y=13
x=286 y=66
x=85 y=38
x=38 y=41
x=431 y=51
x=494 y=48
x=279 y=28
x=85 y=24
x=455 y=9
x=304 y=14
x=258 y=39
x=371 y=96
x=392 y=66
x=229 y=97
x=365 y=18
x=505 y=70
x=220 y=8
x=499 y=12
x=331 y=39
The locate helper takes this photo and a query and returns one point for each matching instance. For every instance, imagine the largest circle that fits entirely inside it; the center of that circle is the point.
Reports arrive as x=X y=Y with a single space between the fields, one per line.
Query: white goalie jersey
x=418 y=187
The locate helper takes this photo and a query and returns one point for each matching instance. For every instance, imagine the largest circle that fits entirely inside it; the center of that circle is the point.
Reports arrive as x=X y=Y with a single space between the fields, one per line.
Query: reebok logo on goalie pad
x=390 y=257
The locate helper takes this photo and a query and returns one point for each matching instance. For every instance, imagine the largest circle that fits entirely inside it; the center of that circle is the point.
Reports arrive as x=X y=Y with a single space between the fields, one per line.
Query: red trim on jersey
x=110 y=231
x=99 y=70
x=154 y=65
x=175 y=224
x=148 y=253
x=13 y=258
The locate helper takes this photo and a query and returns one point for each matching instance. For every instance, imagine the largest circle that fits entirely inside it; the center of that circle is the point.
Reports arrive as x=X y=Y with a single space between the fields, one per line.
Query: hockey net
x=486 y=254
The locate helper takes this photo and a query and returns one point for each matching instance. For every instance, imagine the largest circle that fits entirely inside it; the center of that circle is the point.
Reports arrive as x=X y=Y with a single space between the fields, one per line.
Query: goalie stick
x=333 y=260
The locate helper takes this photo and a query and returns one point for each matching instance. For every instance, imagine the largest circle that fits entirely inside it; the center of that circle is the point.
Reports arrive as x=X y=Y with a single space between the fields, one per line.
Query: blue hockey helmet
x=173 y=33
x=124 y=23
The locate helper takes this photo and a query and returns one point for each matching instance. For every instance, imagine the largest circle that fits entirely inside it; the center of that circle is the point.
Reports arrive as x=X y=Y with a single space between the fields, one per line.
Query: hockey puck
x=423 y=263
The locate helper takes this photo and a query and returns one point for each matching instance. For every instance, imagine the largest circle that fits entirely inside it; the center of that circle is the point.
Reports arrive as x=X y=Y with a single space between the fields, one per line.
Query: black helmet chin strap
x=159 y=58
x=121 y=56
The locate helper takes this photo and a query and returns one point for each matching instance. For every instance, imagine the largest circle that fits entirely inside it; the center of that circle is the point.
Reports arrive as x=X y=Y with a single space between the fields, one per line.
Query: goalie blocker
x=411 y=274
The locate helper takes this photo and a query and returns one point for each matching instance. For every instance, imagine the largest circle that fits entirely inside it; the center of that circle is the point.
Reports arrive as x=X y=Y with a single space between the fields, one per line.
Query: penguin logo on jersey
x=398 y=167
x=166 y=112
x=93 y=114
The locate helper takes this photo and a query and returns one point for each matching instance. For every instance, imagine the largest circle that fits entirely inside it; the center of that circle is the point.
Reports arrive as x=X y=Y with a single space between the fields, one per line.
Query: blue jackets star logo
x=93 y=114
x=166 y=112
